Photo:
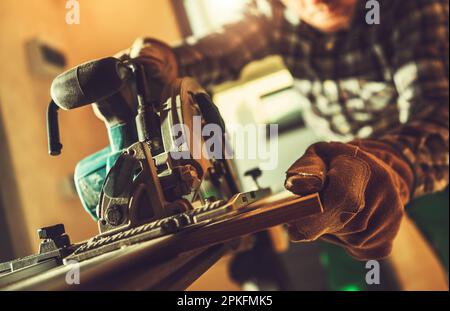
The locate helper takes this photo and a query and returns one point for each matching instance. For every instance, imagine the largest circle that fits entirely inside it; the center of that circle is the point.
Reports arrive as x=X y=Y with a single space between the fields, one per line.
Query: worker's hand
x=160 y=67
x=159 y=60
x=363 y=186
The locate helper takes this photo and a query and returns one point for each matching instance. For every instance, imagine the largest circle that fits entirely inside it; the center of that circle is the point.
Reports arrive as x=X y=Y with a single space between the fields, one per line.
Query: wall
x=30 y=180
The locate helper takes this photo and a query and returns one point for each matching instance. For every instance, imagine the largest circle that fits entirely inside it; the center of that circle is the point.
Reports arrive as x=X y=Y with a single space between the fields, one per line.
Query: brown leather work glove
x=159 y=59
x=161 y=69
x=363 y=185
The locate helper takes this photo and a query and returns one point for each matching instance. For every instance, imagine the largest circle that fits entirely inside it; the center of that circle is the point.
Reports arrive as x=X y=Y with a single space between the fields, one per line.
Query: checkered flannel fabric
x=387 y=82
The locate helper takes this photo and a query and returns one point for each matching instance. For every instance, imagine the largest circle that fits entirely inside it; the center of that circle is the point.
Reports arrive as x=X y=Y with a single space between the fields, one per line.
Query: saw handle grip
x=54 y=143
x=89 y=82
x=81 y=86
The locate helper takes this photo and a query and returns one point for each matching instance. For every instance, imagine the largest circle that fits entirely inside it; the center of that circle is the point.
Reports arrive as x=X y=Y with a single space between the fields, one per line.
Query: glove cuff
x=405 y=177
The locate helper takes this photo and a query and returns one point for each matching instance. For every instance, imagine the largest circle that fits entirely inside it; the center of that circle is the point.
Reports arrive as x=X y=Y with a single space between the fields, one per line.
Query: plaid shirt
x=387 y=81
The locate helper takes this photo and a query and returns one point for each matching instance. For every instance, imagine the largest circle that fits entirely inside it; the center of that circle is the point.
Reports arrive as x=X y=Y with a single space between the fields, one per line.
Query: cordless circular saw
x=157 y=177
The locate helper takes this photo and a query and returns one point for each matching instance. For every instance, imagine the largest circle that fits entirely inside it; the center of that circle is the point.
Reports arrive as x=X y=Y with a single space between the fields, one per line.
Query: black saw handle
x=54 y=142
x=89 y=82
x=80 y=86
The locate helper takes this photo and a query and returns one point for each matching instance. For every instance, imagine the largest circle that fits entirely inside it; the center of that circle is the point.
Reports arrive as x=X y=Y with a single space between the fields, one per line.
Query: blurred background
x=36 y=190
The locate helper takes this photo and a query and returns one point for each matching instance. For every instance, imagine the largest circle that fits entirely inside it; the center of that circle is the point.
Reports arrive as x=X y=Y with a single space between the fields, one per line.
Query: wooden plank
x=270 y=212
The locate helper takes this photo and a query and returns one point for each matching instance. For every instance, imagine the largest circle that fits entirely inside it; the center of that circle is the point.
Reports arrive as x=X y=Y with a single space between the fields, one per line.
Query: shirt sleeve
x=419 y=45
x=220 y=56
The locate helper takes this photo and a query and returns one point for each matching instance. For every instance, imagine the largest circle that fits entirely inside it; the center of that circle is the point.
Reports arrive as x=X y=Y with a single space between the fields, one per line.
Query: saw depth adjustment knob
x=254 y=173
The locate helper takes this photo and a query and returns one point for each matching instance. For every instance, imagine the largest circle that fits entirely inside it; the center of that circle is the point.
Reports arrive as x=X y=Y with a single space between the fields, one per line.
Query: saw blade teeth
x=181 y=220
x=81 y=249
x=146 y=227
x=114 y=238
x=165 y=226
x=96 y=244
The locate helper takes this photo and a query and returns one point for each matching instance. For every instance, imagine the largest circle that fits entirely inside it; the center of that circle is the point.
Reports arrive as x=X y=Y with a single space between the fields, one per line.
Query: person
x=379 y=91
